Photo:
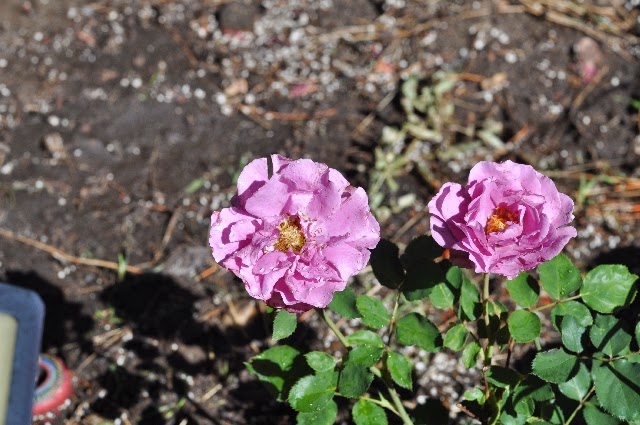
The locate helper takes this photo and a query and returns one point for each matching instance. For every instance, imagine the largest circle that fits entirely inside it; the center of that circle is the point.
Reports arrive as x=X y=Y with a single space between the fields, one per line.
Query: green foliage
x=592 y=378
x=324 y=416
x=617 y=388
x=555 y=366
x=608 y=287
x=354 y=380
x=320 y=361
x=278 y=367
x=524 y=290
x=365 y=337
x=374 y=313
x=312 y=393
x=559 y=277
x=571 y=308
x=366 y=412
x=400 y=369
x=470 y=354
x=608 y=336
x=344 y=304
x=470 y=307
x=524 y=325
x=415 y=329
x=572 y=332
x=455 y=337
x=577 y=387
x=443 y=295
x=284 y=324
x=365 y=355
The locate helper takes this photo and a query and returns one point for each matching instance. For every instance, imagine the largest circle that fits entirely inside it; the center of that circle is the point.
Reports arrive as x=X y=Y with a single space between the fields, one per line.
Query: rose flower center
x=500 y=220
x=291 y=235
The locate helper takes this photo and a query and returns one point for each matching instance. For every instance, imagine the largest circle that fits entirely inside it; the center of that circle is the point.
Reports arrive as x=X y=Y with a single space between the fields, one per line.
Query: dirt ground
x=123 y=124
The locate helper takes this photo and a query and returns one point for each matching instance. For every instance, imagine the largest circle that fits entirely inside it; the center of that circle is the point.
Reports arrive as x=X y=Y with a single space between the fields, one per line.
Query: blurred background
x=124 y=124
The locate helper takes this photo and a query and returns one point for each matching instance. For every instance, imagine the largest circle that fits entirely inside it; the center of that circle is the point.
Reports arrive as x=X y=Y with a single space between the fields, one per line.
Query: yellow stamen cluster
x=499 y=220
x=291 y=235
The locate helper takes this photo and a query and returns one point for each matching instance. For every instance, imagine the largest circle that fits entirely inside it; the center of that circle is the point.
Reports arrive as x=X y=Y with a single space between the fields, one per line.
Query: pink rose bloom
x=296 y=238
x=508 y=218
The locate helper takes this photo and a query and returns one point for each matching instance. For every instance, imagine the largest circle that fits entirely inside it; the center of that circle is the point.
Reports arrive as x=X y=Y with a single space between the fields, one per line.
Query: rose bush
x=507 y=219
x=295 y=238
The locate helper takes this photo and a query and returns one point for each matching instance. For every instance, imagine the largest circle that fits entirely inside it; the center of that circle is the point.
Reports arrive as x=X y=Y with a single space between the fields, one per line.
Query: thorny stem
x=332 y=325
x=406 y=420
x=400 y=410
x=555 y=303
x=580 y=406
x=392 y=323
x=485 y=305
x=383 y=403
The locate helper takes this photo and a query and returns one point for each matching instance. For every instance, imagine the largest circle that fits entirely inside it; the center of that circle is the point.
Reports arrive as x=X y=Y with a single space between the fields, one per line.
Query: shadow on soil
x=167 y=333
x=65 y=323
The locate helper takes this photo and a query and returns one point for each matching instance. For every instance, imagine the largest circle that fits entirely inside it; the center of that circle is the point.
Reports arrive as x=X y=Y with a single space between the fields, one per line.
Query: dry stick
x=165 y=240
x=63 y=256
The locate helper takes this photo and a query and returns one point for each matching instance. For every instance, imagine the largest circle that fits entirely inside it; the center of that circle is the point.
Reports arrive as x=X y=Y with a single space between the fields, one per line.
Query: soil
x=124 y=123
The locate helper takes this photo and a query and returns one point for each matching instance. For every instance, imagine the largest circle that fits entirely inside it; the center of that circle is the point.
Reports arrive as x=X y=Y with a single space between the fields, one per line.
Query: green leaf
x=555 y=366
x=608 y=287
x=355 y=380
x=577 y=387
x=344 y=304
x=455 y=275
x=320 y=361
x=400 y=369
x=284 y=324
x=470 y=354
x=415 y=329
x=534 y=388
x=455 y=337
x=571 y=332
x=503 y=377
x=367 y=413
x=524 y=290
x=559 y=277
x=311 y=393
x=442 y=296
x=278 y=367
x=422 y=273
x=469 y=300
x=594 y=416
x=608 y=336
x=365 y=355
x=617 y=388
x=524 y=325
x=374 y=313
x=365 y=337
x=638 y=333
x=325 y=416
x=572 y=308
x=475 y=394
x=386 y=264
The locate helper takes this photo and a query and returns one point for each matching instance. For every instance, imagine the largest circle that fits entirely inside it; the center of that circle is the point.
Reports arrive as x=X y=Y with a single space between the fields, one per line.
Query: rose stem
x=392 y=391
x=334 y=328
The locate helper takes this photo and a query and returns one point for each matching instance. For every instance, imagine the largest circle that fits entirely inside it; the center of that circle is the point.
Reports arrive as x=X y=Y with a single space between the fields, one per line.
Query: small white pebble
x=511 y=57
x=53 y=120
x=586 y=120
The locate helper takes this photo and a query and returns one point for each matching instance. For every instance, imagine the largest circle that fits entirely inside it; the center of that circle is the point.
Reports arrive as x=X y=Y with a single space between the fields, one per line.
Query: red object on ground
x=54 y=389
